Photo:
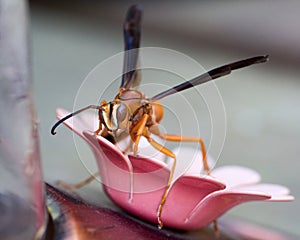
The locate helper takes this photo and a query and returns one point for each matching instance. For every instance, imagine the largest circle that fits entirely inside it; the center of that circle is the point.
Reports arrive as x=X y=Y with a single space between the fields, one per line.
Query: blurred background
x=262 y=103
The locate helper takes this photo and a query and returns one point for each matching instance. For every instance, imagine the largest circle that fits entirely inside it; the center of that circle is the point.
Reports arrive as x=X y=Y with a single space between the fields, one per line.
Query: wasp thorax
x=132 y=98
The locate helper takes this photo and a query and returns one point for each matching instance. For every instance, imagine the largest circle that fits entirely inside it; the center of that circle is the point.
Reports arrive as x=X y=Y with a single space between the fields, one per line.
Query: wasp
x=132 y=114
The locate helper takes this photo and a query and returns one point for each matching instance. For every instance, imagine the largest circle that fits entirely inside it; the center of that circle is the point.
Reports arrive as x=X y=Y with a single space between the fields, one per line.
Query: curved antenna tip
x=53 y=132
x=71 y=115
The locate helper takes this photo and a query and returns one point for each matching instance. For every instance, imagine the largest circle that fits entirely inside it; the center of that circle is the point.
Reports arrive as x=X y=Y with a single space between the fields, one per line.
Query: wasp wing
x=212 y=74
x=132 y=36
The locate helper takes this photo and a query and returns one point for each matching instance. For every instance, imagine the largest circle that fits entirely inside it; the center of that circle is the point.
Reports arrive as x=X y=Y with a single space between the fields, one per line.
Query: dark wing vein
x=132 y=36
x=212 y=74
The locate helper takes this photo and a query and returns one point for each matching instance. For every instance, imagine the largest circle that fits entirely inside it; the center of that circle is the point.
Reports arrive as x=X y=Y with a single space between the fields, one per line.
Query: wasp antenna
x=71 y=115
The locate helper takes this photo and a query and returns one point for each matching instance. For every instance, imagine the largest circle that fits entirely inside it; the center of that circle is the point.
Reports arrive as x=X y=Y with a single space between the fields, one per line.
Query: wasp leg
x=99 y=128
x=169 y=153
x=140 y=130
x=100 y=117
x=216 y=228
x=137 y=131
x=77 y=185
x=178 y=138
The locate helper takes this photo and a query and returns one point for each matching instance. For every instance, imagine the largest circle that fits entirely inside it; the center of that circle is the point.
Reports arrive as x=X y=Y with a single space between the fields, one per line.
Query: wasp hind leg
x=216 y=228
x=75 y=186
x=178 y=138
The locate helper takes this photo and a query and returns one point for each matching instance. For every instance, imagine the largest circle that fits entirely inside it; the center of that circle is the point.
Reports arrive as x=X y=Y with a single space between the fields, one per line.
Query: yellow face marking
x=107 y=117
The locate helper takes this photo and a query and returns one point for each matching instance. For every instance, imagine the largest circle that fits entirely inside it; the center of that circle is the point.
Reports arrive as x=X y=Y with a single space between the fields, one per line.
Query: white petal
x=124 y=143
x=189 y=161
x=236 y=176
x=90 y=120
x=74 y=123
x=277 y=192
x=287 y=198
x=146 y=150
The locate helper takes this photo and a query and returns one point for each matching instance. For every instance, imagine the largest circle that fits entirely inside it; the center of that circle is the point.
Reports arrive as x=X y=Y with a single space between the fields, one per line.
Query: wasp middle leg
x=137 y=131
x=179 y=138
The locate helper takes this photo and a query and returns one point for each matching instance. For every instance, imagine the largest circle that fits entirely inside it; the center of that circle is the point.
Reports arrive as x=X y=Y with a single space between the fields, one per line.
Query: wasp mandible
x=132 y=114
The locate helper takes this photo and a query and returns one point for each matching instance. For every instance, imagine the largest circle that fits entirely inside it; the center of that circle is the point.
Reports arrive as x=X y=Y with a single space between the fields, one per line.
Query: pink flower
x=137 y=183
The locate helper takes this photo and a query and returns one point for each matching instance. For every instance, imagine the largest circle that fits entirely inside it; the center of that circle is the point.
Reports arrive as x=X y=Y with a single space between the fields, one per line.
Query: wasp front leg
x=100 y=118
x=169 y=153
x=137 y=131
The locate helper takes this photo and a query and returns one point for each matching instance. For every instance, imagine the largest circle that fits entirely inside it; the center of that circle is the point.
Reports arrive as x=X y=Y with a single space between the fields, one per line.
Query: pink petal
x=184 y=195
x=140 y=193
x=148 y=174
x=216 y=204
x=114 y=167
x=75 y=123
x=149 y=181
x=236 y=176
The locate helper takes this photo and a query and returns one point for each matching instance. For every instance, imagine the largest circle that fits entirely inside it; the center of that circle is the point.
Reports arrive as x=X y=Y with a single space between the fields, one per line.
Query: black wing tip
x=256 y=59
x=135 y=7
x=263 y=58
x=134 y=12
x=247 y=62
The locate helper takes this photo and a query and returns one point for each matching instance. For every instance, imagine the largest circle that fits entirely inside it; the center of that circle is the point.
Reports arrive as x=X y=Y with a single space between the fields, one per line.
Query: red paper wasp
x=133 y=114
